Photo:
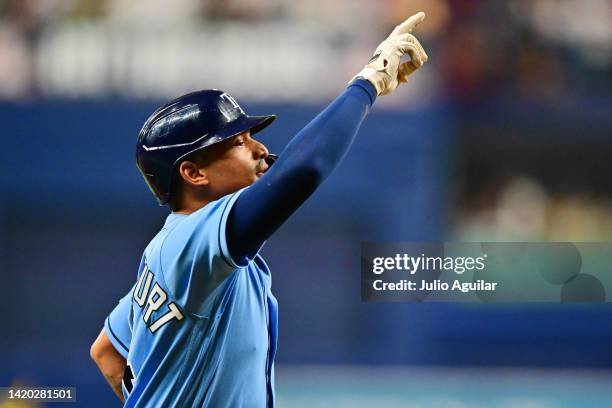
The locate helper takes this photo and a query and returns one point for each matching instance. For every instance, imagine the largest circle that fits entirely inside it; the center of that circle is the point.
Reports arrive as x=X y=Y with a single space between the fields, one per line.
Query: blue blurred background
x=505 y=135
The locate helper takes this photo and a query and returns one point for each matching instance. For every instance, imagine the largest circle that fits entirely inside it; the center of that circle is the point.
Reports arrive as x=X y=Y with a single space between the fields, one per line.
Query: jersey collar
x=172 y=218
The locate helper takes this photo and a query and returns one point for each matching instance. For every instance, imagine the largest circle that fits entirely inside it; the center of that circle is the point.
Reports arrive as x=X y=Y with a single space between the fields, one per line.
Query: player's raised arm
x=320 y=146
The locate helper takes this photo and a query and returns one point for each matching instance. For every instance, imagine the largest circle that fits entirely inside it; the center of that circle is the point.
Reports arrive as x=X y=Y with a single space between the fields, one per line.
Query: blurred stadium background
x=504 y=136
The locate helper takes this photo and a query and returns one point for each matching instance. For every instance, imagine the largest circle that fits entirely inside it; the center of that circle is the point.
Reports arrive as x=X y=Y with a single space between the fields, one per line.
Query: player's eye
x=239 y=142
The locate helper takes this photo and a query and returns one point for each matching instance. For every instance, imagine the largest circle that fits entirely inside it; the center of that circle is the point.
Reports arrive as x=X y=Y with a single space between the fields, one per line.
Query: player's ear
x=193 y=174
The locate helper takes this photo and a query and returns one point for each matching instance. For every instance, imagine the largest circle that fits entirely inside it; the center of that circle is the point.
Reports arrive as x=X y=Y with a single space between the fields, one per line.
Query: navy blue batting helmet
x=187 y=124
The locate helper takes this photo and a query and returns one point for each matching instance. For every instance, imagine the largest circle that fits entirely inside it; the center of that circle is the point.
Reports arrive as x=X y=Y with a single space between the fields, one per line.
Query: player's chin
x=253 y=179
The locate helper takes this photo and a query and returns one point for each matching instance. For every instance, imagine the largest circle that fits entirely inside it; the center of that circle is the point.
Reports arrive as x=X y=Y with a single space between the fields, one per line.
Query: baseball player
x=199 y=327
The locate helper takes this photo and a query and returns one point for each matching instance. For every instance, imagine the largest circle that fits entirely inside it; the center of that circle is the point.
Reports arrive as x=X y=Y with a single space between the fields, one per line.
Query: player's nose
x=260 y=150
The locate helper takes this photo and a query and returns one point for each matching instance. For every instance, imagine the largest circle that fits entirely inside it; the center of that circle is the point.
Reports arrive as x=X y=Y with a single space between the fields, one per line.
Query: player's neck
x=193 y=200
x=190 y=206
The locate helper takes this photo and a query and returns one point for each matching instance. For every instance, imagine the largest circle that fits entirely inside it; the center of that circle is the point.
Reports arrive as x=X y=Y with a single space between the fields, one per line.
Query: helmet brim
x=258 y=123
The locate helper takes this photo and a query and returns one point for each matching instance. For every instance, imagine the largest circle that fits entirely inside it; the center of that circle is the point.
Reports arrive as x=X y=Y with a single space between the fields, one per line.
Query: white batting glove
x=384 y=70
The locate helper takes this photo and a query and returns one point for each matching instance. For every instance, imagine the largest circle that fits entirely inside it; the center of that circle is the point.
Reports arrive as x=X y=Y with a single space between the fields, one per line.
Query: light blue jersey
x=201 y=329
x=117 y=325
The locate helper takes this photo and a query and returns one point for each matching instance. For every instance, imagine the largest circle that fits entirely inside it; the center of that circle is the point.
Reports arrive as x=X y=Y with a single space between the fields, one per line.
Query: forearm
x=110 y=363
x=306 y=162
x=115 y=385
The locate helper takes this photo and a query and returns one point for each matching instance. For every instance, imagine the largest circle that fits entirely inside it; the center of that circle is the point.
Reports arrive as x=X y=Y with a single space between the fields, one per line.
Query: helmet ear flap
x=153 y=183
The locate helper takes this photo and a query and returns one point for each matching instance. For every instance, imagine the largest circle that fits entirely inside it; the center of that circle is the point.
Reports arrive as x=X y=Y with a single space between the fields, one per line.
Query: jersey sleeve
x=117 y=325
x=195 y=257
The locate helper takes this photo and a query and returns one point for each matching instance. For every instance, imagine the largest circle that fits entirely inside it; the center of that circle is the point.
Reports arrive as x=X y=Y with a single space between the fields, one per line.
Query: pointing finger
x=409 y=25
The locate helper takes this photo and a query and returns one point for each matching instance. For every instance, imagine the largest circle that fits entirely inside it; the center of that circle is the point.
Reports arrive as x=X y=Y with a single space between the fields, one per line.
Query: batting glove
x=384 y=70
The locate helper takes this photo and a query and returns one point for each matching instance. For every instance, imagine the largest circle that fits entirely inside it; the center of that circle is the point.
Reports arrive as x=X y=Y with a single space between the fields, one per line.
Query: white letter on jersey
x=154 y=303
x=140 y=293
x=174 y=312
x=155 y=299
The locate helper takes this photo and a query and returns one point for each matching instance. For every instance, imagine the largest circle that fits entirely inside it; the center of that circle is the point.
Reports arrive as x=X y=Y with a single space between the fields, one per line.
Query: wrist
x=374 y=77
